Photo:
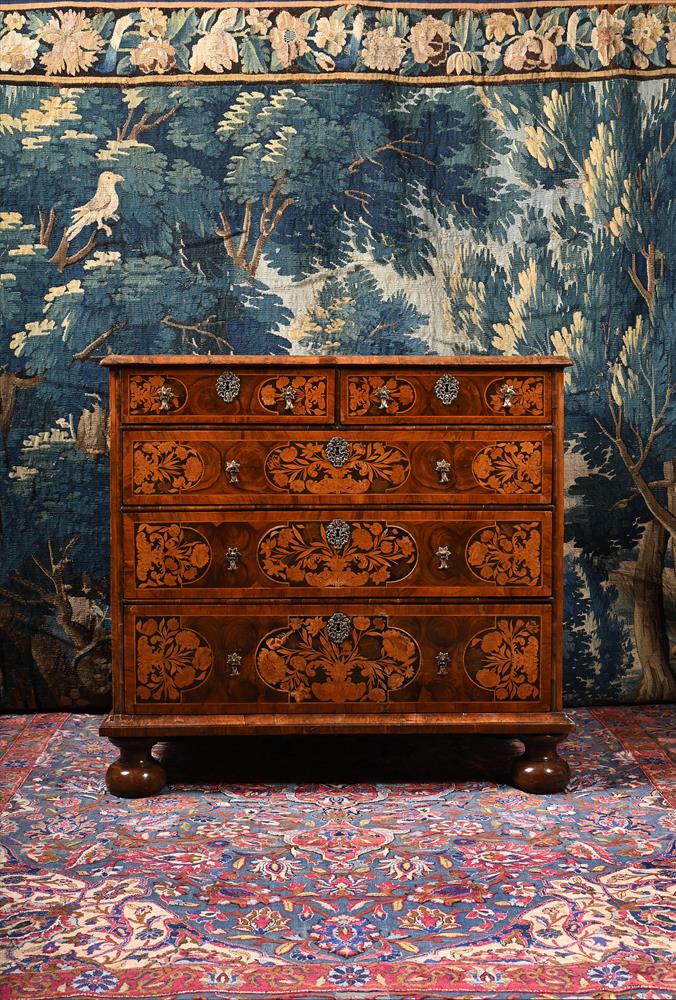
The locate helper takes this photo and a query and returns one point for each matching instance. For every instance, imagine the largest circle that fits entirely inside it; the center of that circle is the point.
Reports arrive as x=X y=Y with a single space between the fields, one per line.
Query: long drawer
x=324 y=468
x=395 y=658
x=447 y=396
x=275 y=554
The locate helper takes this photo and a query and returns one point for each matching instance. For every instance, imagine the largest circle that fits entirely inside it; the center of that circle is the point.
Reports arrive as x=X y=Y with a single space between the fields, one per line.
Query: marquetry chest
x=308 y=545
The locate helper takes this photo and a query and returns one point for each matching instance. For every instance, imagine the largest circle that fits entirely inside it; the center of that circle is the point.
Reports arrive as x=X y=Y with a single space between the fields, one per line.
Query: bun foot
x=135 y=774
x=540 y=770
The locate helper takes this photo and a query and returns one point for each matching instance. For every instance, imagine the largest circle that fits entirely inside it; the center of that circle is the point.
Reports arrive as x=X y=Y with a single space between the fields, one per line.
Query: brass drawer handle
x=234 y=662
x=232 y=468
x=339 y=627
x=443 y=468
x=443 y=554
x=288 y=394
x=443 y=659
x=384 y=397
x=232 y=558
x=446 y=389
x=165 y=394
x=227 y=386
x=507 y=393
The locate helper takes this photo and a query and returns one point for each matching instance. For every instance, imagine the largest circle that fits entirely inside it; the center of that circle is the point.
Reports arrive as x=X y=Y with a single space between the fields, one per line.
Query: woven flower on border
x=198 y=42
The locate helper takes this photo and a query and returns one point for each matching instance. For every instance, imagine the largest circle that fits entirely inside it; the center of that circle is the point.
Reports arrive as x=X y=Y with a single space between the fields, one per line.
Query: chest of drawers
x=313 y=545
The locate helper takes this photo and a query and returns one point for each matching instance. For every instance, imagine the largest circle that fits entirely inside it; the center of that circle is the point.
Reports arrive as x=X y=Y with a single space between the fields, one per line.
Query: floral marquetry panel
x=166 y=467
x=507 y=553
x=365 y=662
x=155 y=394
x=510 y=467
x=505 y=659
x=379 y=396
x=169 y=555
x=170 y=659
x=366 y=554
x=300 y=394
x=369 y=467
x=516 y=396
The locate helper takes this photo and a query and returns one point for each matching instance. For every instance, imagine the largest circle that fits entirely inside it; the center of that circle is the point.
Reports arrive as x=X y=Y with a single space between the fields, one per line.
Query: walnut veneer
x=336 y=545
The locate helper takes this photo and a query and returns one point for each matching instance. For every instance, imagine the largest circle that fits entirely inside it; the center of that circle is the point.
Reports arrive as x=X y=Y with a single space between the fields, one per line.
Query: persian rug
x=383 y=870
x=447 y=177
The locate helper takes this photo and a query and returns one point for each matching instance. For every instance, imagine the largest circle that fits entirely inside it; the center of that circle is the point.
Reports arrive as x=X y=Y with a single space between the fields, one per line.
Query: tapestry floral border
x=435 y=44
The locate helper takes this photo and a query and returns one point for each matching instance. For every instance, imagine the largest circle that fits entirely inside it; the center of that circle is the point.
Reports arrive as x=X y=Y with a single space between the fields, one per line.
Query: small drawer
x=222 y=395
x=281 y=468
x=446 y=395
x=203 y=659
x=439 y=554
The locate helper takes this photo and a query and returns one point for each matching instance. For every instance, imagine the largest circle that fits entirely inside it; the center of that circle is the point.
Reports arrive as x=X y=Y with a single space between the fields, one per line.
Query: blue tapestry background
x=531 y=215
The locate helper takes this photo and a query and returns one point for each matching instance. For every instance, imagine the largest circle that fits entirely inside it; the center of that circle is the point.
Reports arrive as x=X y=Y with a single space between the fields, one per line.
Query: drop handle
x=443 y=659
x=288 y=394
x=384 y=397
x=232 y=468
x=232 y=558
x=165 y=394
x=443 y=554
x=234 y=662
x=443 y=468
x=507 y=393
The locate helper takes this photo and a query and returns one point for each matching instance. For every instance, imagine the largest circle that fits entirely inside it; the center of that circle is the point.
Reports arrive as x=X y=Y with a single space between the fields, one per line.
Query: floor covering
x=339 y=867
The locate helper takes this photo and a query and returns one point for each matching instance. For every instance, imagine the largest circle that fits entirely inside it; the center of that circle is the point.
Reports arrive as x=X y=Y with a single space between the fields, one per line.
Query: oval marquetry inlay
x=507 y=553
x=505 y=659
x=510 y=467
x=378 y=395
x=156 y=394
x=305 y=468
x=169 y=555
x=306 y=393
x=373 y=554
x=528 y=399
x=305 y=663
x=170 y=659
x=166 y=467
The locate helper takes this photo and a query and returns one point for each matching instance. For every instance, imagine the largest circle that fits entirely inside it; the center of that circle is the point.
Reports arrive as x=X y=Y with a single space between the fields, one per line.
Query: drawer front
x=402 y=658
x=241 y=468
x=447 y=396
x=228 y=395
x=404 y=553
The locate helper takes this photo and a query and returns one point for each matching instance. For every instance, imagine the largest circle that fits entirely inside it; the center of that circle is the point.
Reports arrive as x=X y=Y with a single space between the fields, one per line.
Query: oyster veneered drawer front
x=229 y=395
x=397 y=658
x=484 y=396
x=430 y=553
x=324 y=468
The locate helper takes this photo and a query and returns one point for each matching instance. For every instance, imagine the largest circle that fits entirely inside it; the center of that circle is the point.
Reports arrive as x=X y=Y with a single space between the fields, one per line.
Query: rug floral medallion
x=396 y=888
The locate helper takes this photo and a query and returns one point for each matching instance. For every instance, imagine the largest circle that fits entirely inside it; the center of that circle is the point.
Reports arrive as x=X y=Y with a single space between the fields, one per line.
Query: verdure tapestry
x=365 y=178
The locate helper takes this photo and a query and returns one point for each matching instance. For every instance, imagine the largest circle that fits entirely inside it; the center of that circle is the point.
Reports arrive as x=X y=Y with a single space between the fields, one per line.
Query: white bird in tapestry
x=103 y=206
